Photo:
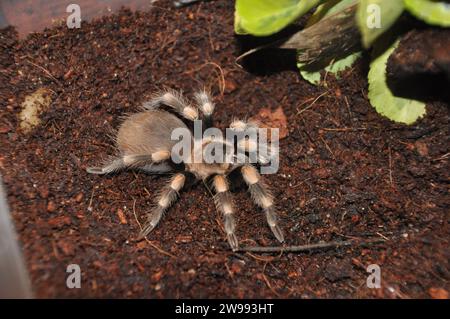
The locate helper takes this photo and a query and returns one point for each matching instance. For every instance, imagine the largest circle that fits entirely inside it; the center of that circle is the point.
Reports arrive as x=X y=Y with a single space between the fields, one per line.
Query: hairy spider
x=144 y=143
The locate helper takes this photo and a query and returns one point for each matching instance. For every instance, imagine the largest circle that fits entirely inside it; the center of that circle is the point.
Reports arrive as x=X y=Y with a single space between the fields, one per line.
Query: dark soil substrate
x=345 y=171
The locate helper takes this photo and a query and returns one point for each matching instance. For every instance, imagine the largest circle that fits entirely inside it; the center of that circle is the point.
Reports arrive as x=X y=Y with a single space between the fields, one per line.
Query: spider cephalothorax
x=145 y=143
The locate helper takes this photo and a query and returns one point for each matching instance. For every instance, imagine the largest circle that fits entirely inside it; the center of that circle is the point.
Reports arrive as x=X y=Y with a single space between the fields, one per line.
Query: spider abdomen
x=148 y=132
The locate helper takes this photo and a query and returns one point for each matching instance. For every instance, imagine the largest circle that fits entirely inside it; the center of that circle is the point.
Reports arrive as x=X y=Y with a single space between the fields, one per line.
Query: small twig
x=229 y=271
x=182 y=3
x=348 y=107
x=91 y=199
x=269 y=259
x=268 y=282
x=310 y=247
x=211 y=44
x=221 y=74
x=326 y=71
x=148 y=241
x=390 y=166
x=310 y=105
x=382 y=236
x=45 y=71
x=328 y=148
x=343 y=129
x=441 y=157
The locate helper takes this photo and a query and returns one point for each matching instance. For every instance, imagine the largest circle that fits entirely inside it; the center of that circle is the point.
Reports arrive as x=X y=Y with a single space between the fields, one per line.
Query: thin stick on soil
x=328 y=148
x=312 y=104
x=441 y=157
x=162 y=251
x=390 y=166
x=221 y=74
x=350 y=115
x=45 y=71
x=264 y=259
x=343 y=129
x=90 y=200
x=311 y=247
x=268 y=282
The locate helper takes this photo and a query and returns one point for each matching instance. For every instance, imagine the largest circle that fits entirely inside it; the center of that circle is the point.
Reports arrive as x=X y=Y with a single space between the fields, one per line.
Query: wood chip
x=122 y=218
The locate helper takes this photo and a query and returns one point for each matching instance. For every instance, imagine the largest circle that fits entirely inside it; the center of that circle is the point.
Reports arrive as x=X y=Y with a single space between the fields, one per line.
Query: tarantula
x=144 y=143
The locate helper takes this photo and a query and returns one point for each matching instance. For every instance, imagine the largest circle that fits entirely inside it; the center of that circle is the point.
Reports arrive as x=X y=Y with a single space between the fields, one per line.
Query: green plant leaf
x=328 y=8
x=397 y=109
x=374 y=17
x=238 y=29
x=314 y=76
x=265 y=17
x=432 y=12
x=343 y=63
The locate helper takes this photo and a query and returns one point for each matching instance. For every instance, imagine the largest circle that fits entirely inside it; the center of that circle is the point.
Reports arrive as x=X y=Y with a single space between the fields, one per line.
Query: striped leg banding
x=263 y=198
x=167 y=197
x=224 y=204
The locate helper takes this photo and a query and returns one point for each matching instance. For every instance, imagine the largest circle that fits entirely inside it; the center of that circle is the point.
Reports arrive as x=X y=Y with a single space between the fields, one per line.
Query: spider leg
x=241 y=126
x=205 y=104
x=166 y=198
x=130 y=161
x=262 y=197
x=262 y=150
x=224 y=204
x=156 y=168
x=174 y=100
x=251 y=141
